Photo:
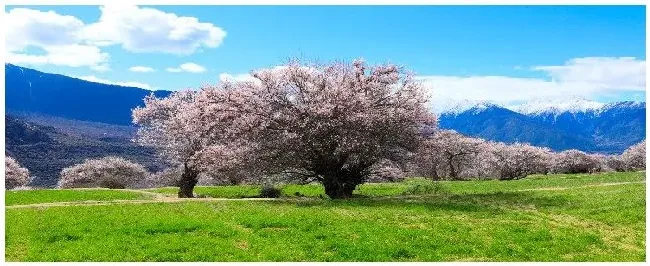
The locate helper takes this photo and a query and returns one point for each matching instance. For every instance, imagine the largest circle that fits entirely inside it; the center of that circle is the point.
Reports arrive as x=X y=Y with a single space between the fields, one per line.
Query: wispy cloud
x=187 y=67
x=141 y=69
x=121 y=83
x=586 y=78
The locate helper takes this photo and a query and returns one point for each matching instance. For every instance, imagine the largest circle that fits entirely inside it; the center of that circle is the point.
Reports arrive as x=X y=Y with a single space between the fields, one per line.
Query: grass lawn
x=24 y=197
x=568 y=218
x=411 y=186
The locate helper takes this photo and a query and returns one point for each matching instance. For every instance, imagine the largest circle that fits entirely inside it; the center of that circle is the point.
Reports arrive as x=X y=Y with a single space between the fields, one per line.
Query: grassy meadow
x=581 y=217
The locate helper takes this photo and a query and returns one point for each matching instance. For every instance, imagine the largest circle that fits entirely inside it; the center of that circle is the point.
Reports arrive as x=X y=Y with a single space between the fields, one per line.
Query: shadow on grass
x=487 y=202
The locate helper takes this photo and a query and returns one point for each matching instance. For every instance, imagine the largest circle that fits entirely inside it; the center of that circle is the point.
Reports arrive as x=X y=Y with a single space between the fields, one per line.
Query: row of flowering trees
x=449 y=155
x=444 y=155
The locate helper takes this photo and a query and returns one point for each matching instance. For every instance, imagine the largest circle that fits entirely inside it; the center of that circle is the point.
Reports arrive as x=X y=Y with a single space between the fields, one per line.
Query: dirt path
x=163 y=199
x=155 y=195
x=585 y=186
x=166 y=198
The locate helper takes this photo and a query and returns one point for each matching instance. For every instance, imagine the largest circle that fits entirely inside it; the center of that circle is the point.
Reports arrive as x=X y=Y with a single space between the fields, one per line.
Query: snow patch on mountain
x=625 y=104
x=534 y=108
x=458 y=107
x=557 y=107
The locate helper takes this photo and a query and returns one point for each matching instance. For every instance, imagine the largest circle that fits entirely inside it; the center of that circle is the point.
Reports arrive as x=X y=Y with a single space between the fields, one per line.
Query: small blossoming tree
x=15 y=175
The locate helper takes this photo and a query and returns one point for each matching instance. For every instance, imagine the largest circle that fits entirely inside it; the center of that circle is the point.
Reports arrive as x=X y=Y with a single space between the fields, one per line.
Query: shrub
x=270 y=192
x=424 y=189
x=107 y=172
x=15 y=175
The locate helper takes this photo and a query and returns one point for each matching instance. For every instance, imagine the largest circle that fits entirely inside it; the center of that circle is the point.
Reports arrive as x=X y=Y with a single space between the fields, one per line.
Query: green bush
x=270 y=192
x=424 y=189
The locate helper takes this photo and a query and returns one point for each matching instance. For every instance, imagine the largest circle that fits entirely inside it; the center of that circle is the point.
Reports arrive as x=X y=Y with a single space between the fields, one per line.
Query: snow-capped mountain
x=557 y=107
x=458 y=107
x=575 y=124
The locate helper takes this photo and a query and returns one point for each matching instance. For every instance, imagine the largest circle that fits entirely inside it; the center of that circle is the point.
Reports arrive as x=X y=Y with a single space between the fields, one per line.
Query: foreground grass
x=24 y=197
x=466 y=221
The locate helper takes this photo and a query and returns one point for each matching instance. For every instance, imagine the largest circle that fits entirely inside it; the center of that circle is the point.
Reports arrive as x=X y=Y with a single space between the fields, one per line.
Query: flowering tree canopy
x=328 y=123
x=15 y=175
x=108 y=172
x=634 y=156
x=518 y=160
x=575 y=161
x=172 y=126
x=447 y=153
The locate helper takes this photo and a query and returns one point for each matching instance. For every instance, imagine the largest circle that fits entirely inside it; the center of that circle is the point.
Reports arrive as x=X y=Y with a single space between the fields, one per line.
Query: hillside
x=45 y=150
x=29 y=90
x=606 y=129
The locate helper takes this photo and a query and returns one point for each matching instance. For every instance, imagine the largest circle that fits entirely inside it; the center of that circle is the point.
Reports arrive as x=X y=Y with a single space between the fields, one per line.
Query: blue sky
x=552 y=47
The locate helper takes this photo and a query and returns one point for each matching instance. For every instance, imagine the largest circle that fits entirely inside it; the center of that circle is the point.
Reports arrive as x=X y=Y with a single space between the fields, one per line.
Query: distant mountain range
x=64 y=102
x=606 y=128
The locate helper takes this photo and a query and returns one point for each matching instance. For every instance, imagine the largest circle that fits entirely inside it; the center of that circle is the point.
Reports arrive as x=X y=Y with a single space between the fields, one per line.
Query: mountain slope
x=606 y=129
x=29 y=90
x=500 y=124
x=46 y=150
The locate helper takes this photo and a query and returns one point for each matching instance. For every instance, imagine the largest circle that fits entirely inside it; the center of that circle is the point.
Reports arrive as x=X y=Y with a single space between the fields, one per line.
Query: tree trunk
x=433 y=172
x=452 y=170
x=337 y=187
x=434 y=175
x=189 y=178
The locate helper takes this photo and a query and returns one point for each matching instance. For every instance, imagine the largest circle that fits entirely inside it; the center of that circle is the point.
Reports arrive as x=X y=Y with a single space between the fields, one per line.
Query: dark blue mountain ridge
x=500 y=124
x=609 y=129
x=28 y=90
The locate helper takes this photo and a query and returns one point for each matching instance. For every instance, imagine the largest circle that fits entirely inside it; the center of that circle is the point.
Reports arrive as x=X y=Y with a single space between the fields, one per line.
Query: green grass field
x=540 y=218
x=24 y=197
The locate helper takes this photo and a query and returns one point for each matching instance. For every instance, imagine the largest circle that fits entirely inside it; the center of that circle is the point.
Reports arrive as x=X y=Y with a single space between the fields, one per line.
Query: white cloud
x=63 y=55
x=622 y=73
x=142 y=69
x=187 y=67
x=26 y=27
x=578 y=78
x=139 y=29
x=121 y=83
x=101 y=68
x=36 y=37
x=57 y=36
